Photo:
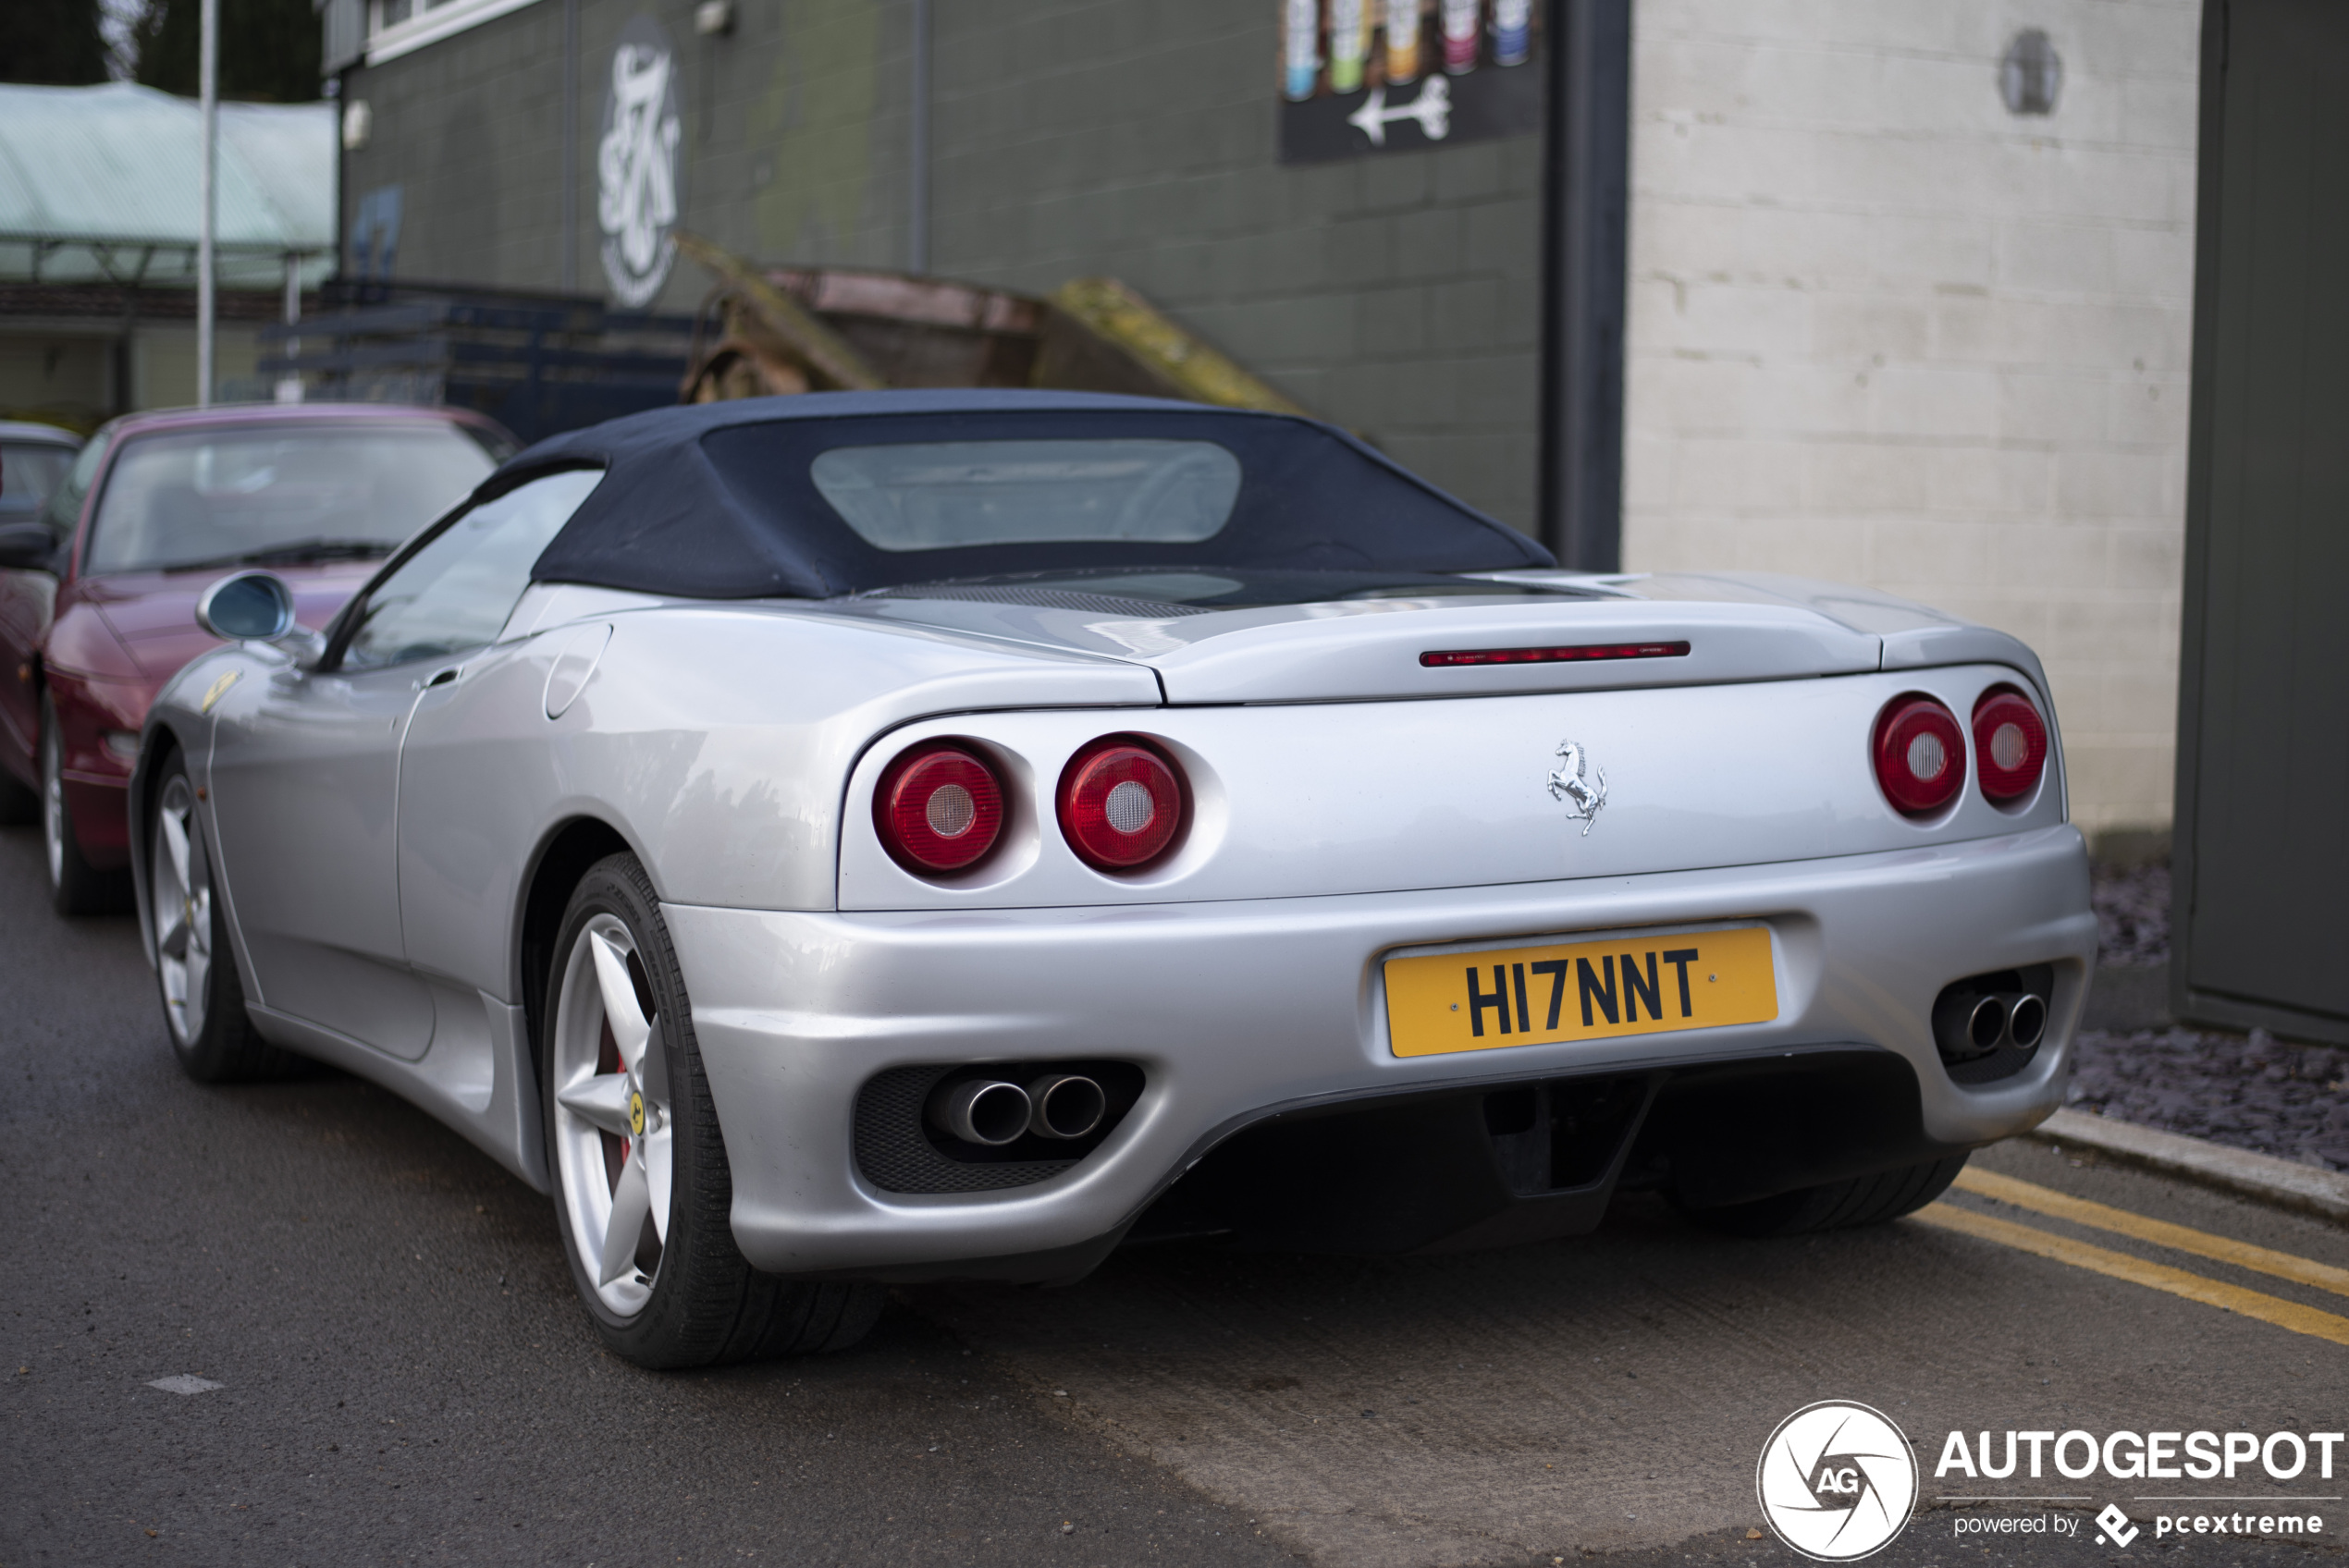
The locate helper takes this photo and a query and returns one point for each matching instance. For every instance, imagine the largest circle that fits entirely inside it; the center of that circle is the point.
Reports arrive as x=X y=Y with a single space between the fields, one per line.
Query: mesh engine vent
x=2004 y=1063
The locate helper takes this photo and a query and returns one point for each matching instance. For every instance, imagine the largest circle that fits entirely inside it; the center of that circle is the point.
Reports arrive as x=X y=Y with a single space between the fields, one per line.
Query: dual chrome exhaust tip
x=1969 y=1024
x=993 y=1111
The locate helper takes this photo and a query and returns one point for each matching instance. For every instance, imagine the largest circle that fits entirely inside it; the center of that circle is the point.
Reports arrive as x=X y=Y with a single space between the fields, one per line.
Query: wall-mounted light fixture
x=2031 y=74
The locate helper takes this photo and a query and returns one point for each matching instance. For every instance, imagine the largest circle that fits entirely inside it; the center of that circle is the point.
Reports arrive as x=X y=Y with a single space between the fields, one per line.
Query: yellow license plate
x=1638 y=985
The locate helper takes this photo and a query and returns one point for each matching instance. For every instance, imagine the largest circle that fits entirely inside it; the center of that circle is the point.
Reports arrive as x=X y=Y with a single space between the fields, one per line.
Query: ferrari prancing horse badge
x=1571 y=781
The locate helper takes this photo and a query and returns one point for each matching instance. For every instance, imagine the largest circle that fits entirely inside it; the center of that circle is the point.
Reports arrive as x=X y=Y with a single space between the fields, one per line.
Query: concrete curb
x=2278 y=1182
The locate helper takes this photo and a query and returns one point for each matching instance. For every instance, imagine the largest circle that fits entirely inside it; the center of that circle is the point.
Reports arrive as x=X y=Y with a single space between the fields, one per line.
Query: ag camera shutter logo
x=1837 y=1481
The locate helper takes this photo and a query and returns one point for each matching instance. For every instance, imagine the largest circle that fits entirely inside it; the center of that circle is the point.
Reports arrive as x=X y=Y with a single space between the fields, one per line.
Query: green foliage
x=268 y=48
x=53 y=43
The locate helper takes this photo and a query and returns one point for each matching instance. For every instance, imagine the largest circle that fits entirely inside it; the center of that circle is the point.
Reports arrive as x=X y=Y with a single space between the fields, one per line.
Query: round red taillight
x=939 y=808
x=1920 y=754
x=1120 y=803
x=2009 y=744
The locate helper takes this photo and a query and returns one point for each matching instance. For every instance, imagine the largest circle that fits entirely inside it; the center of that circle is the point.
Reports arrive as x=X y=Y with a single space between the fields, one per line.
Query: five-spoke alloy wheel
x=613 y=1134
x=643 y=1193
x=180 y=910
x=203 y=1002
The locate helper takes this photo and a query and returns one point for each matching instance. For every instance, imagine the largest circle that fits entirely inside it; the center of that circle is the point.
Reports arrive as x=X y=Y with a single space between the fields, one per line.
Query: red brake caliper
x=608 y=1061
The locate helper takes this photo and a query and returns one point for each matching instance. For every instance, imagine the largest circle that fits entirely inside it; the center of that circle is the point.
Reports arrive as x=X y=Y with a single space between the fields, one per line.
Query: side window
x=64 y=508
x=456 y=592
x=30 y=473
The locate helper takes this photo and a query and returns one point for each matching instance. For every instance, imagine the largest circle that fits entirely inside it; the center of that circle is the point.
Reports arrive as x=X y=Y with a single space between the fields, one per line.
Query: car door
x=306 y=778
x=27 y=603
x=467 y=759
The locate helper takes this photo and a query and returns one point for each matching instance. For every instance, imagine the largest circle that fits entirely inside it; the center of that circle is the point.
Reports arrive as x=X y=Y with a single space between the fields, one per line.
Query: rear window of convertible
x=948 y=494
x=811 y=504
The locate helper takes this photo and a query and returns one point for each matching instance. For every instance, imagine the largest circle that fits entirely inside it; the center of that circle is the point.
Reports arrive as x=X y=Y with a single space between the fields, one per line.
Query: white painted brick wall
x=1883 y=331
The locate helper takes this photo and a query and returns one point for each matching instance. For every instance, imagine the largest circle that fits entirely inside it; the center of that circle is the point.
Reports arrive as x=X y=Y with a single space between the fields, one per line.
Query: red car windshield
x=279 y=493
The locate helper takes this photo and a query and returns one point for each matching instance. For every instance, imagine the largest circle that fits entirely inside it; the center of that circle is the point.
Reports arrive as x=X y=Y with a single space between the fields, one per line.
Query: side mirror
x=252 y=607
x=27 y=547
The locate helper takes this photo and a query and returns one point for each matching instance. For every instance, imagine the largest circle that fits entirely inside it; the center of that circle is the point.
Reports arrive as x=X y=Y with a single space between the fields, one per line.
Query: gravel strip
x=2246 y=1091
x=2133 y=915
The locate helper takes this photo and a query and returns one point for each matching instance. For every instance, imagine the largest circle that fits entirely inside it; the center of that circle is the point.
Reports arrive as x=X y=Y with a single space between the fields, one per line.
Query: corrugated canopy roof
x=100 y=184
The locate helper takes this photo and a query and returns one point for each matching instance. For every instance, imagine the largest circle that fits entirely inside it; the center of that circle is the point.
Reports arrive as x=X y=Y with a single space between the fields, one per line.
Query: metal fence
x=538 y=365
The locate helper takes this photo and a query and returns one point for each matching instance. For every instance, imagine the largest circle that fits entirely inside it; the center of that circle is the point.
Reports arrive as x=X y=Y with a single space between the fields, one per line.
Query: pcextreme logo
x=1837 y=1481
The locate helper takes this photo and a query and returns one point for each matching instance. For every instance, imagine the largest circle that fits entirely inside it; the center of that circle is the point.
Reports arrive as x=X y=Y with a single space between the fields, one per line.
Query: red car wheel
x=75 y=886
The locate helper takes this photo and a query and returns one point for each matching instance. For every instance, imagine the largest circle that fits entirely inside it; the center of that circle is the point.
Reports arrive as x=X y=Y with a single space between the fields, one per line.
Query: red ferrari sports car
x=98 y=593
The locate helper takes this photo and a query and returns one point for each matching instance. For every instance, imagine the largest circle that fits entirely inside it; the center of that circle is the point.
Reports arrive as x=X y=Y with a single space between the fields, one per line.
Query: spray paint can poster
x=1351 y=24
x=1512 y=31
x=1460 y=20
x=1367 y=77
x=1301 y=47
x=1402 y=41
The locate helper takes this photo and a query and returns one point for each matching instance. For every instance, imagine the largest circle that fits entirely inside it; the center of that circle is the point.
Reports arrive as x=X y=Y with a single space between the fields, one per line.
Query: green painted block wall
x=1397 y=294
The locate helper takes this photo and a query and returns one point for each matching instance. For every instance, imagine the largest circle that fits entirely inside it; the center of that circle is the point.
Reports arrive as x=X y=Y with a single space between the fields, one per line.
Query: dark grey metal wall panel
x=2263 y=830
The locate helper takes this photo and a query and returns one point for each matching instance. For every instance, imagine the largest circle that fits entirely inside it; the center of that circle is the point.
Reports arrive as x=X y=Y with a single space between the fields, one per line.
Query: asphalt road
x=404 y=1375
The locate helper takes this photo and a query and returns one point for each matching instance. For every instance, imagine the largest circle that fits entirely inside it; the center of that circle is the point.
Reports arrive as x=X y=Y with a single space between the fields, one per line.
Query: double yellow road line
x=2136 y=1270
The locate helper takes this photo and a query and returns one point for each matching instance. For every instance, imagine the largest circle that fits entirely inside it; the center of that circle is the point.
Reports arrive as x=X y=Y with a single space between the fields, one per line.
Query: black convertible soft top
x=717 y=501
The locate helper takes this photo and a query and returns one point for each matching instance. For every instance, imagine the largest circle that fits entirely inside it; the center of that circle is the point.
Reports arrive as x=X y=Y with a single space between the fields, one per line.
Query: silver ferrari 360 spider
x=842 y=839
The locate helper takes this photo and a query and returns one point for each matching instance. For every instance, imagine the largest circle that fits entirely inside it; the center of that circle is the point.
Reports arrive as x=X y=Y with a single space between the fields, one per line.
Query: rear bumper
x=1239 y=1011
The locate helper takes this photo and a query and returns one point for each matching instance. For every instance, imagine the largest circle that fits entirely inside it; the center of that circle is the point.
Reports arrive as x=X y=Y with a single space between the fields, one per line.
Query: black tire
x=1836 y=1206
x=75 y=886
x=706 y=1305
x=223 y=1047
